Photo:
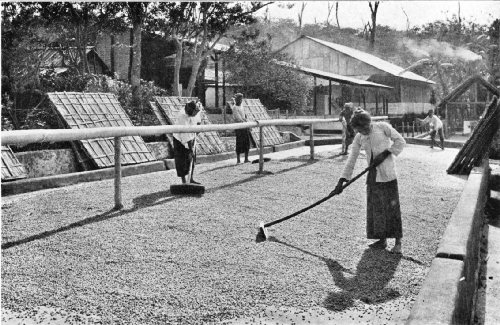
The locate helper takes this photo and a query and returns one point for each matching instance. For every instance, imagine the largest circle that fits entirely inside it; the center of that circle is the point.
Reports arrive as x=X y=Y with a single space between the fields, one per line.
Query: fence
x=57 y=135
x=276 y=113
x=411 y=129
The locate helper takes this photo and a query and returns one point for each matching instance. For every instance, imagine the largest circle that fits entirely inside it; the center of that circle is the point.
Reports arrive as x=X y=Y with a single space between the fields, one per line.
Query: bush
x=41 y=115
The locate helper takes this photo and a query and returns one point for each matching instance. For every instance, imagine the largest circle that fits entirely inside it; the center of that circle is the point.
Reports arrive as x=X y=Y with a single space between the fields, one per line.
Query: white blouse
x=382 y=136
x=239 y=114
x=184 y=119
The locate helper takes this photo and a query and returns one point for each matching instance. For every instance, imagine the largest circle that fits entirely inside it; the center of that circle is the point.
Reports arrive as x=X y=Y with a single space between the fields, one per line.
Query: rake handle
x=320 y=201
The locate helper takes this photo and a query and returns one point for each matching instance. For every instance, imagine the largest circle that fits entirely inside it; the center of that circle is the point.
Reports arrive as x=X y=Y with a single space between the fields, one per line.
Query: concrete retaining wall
x=427 y=142
x=448 y=293
x=48 y=162
x=53 y=181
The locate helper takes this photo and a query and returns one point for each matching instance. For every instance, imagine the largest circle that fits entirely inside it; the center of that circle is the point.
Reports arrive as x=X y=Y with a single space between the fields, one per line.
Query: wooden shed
x=410 y=93
x=463 y=107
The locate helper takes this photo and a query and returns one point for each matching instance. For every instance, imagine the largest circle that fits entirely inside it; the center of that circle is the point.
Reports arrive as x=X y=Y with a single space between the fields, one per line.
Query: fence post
x=413 y=129
x=118 y=174
x=261 y=148
x=311 y=140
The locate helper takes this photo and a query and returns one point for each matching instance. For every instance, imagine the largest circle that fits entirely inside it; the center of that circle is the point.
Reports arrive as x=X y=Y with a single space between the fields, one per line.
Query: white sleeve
x=397 y=139
x=353 y=156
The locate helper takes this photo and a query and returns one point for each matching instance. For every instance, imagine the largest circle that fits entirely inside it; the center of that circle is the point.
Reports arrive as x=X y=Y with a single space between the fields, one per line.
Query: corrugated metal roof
x=334 y=77
x=373 y=61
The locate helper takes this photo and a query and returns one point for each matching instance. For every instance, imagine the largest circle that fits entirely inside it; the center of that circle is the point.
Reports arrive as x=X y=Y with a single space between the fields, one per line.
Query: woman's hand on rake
x=339 y=188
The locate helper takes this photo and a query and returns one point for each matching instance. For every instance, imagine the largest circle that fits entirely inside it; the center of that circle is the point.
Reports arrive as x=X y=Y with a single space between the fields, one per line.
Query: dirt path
x=189 y=260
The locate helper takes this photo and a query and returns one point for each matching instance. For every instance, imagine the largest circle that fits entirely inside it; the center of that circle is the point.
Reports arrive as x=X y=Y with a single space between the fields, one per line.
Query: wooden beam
x=329 y=97
x=314 y=98
x=58 y=135
x=118 y=174
x=216 y=80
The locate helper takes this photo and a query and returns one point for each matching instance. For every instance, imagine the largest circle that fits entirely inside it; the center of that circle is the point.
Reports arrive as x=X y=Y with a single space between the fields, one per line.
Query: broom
x=262 y=234
x=189 y=188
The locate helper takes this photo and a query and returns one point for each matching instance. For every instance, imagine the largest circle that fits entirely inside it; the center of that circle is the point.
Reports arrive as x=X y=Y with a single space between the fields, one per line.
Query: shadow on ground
x=367 y=283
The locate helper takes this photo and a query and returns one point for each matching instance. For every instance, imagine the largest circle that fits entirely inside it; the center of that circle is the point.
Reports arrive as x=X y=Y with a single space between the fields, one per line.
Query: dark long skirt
x=242 y=140
x=183 y=158
x=383 y=213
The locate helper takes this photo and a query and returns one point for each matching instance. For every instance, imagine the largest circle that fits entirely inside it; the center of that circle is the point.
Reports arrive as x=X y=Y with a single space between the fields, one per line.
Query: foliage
x=456 y=49
x=466 y=42
x=199 y=27
x=250 y=63
x=30 y=28
x=43 y=115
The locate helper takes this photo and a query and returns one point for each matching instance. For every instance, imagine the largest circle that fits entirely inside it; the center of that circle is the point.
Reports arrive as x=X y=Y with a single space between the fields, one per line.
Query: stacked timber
x=477 y=146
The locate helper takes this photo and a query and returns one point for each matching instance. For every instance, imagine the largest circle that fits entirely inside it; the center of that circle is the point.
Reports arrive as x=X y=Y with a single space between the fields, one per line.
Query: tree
x=137 y=14
x=487 y=45
x=176 y=22
x=300 y=15
x=201 y=28
x=373 y=27
x=454 y=49
x=328 y=13
x=337 y=14
x=252 y=64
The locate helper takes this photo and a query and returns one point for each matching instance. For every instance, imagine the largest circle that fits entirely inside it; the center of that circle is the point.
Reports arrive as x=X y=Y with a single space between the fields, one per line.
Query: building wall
x=210 y=95
x=312 y=55
x=48 y=162
x=120 y=63
x=408 y=108
x=406 y=96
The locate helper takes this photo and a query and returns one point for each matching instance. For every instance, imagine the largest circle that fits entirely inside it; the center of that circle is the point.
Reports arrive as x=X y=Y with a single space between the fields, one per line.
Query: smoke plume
x=432 y=47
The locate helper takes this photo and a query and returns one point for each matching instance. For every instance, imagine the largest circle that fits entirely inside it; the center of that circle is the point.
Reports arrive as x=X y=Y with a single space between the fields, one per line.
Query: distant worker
x=436 y=126
x=347 y=130
x=382 y=143
x=185 y=143
x=242 y=135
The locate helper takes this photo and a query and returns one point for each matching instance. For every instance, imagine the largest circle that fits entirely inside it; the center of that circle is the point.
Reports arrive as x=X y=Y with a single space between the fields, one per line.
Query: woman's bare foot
x=396 y=249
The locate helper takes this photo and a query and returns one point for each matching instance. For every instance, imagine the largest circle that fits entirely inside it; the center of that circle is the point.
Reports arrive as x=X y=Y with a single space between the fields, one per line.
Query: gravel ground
x=67 y=258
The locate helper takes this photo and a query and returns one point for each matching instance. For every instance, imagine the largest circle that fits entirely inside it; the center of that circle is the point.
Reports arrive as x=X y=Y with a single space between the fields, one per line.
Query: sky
x=356 y=14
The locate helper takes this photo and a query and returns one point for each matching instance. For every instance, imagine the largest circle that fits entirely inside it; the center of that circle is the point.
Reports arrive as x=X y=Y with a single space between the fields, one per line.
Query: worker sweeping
x=381 y=143
x=185 y=143
x=436 y=127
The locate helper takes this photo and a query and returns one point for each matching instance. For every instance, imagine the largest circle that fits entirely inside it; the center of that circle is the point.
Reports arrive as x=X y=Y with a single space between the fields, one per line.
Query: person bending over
x=436 y=126
x=184 y=143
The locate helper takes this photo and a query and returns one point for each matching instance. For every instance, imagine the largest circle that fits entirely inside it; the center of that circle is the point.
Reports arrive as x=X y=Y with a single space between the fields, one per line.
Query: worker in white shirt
x=382 y=143
x=435 y=125
x=184 y=143
x=242 y=135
